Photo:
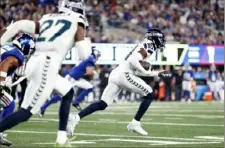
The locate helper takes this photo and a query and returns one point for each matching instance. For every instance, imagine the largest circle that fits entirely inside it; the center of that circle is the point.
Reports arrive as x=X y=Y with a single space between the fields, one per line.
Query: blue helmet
x=25 y=43
x=96 y=53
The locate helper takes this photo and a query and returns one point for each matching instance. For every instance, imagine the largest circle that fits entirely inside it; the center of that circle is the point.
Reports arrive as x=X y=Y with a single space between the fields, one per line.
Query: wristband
x=3 y=74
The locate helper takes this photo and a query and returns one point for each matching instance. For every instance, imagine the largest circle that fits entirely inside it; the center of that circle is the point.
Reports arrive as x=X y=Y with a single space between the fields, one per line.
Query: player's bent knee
x=25 y=114
x=102 y=105
x=149 y=96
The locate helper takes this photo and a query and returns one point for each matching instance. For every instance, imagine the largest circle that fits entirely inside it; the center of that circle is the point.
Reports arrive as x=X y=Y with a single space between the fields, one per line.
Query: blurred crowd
x=184 y=21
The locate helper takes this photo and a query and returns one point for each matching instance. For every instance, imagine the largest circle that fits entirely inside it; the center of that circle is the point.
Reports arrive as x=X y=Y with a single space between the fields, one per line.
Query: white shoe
x=136 y=127
x=72 y=122
x=189 y=101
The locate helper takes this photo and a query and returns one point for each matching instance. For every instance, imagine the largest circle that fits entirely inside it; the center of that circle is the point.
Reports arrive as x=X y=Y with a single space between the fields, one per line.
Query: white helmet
x=68 y=6
x=74 y=6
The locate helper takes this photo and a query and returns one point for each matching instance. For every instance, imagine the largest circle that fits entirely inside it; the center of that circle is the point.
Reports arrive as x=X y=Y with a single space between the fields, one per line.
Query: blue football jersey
x=11 y=51
x=79 y=71
x=188 y=75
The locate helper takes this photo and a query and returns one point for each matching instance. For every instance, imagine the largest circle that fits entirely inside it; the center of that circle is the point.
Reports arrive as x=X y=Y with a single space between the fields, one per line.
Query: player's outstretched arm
x=26 y=26
x=82 y=45
x=5 y=65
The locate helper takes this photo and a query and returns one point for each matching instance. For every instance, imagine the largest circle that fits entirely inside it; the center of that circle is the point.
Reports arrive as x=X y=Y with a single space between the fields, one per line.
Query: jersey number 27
x=48 y=24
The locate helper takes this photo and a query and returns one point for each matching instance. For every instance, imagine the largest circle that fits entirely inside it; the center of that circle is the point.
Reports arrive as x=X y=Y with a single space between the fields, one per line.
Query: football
x=145 y=64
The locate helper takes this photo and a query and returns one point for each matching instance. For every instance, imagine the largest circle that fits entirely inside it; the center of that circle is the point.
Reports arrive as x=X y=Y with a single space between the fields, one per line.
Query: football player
x=85 y=67
x=57 y=34
x=126 y=76
x=212 y=78
x=12 y=58
x=188 y=77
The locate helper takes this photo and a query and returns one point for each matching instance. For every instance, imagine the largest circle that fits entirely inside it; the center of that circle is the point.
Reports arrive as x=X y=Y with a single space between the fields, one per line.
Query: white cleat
x=136 y=127
x=72 y=122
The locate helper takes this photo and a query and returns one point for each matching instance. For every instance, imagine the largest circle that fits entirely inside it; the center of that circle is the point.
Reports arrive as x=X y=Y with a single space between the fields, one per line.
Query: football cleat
x=42 y=113
x=77 y=106
x=72 y=122
x=136 y=127
x=4 y=141
x=67 y=144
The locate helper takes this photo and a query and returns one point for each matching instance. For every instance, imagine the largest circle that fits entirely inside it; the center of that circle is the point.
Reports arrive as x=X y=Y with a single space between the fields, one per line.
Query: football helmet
x=157 y=37
x=25 y=43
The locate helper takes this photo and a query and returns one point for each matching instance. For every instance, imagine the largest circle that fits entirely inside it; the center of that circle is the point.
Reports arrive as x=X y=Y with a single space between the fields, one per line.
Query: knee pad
x=150 y=96
x=102 y=105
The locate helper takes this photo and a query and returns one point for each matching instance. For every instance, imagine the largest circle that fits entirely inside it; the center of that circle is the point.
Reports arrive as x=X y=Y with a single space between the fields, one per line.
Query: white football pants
x=122 y=80
x=42 y=73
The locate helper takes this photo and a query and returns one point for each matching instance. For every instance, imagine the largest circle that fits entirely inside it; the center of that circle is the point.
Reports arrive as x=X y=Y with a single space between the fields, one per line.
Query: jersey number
x=48 y=24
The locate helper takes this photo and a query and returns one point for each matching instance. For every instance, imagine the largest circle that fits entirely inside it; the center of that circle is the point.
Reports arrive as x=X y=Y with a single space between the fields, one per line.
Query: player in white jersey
x=57 y=34
x=125 y=76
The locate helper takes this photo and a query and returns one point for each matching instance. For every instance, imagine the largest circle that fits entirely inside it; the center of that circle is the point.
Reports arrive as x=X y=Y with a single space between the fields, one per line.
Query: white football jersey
x=146 y=44
x=57 y=33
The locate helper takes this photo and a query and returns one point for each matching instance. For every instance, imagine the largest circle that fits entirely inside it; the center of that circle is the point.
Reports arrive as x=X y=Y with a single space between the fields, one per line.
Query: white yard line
x=161 y=142
x=174 y=118
x=126 y=122
x=153 y=142
x=153 y=114
x=108 y=135
x=211 y=137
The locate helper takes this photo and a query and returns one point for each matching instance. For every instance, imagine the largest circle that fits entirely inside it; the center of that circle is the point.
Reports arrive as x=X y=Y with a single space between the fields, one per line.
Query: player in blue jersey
x=85 y=67
x=12 y=57
x=188 y=77
x=212 y=78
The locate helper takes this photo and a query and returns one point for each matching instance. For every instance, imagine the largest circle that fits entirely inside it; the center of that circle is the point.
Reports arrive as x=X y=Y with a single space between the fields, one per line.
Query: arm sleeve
x=23 y=25
x=14 y=53
x=134 y=61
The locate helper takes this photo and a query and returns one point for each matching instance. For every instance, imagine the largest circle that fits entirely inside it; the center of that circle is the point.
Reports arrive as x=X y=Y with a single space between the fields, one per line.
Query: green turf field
x=172 y=125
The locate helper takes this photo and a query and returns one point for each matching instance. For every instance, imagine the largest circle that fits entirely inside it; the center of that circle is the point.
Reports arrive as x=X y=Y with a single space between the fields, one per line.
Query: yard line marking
x=126 y=122
x=174 y=118
x=38 y=121
x=74 y=142
x=153 y=114
x=211 y=137
x=162 y=142
x=153 y=142
x=107 y=120
x=108 y=135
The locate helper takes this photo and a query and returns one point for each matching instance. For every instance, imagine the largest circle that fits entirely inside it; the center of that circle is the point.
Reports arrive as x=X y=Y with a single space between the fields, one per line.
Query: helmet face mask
x=25 y=43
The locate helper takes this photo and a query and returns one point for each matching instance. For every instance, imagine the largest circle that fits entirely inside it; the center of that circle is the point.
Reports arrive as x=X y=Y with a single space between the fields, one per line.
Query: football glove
x=165 y=74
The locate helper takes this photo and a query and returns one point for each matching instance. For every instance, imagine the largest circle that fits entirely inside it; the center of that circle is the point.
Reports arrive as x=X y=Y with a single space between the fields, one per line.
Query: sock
x=101 y=105
x=135 y=121
x=16 y=118
x=7 y=110
x=54 y=99
x=144 y=106
x=65 y=110
x=82 y=95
